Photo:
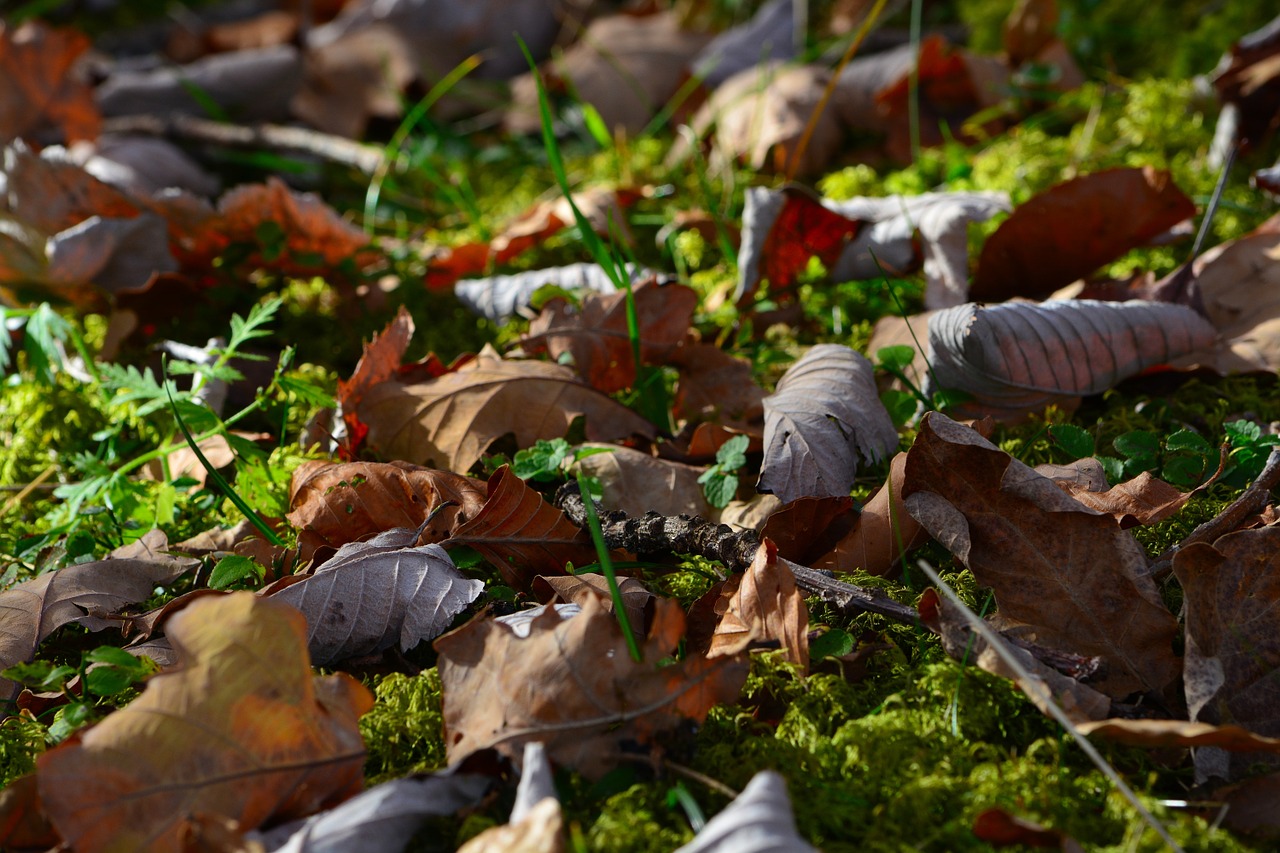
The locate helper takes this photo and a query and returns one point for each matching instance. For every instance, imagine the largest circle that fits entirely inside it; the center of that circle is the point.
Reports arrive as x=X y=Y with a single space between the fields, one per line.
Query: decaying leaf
x=373 y=595
x=449 y=421
x=637 y=601
x=759 y=820
x=636 y=482
x=1069 y=230
x=763 y=604
x=1069 y=573
x=41 y=88
x=1232 y=664
x=334 y=504
x=596 y=336
x=1143 y=500
x=537 y=823
x=572 y=684
x=825 y=415
x=521 y=535
x=86 y=594
x=242 y=729
x=1000 y=829
x=1019 y=357
x=501 y=297
x=715 y=385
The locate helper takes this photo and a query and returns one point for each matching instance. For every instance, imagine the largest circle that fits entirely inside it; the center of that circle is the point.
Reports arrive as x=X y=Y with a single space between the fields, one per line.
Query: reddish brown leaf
x=806 y=529
x=1068 y=572
x=715 y=385
x=41 y=87
x=1000 y=829
x=572 y=589
x=337 y=504
x=522 y=535
x=602 y=207
x=1233 y=638
x=597 y=336
x=1143 y=500
x=763 y=604
x=449 y=422
x=53 y=194
x=572 y=684
x=1068 y=231
x=241 y=730
x=1251 y=806
x=23 y=823
x=1248 y=78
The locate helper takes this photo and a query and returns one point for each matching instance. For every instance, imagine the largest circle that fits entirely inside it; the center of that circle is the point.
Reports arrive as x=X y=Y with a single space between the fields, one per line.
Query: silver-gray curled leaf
x=825 y=413
x=501 y=297
x=759 y=820
x=371 y=595
x=1018 y=357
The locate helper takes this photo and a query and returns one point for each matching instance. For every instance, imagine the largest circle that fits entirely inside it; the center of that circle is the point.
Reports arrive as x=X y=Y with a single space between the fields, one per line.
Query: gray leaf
x=825 y=413
x=373 y=594
x=758 y=821
x=501 y=297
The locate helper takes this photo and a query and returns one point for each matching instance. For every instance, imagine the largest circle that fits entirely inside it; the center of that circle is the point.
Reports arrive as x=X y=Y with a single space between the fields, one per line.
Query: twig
x=656 y=535
x=335 y=149
x=1251 y=501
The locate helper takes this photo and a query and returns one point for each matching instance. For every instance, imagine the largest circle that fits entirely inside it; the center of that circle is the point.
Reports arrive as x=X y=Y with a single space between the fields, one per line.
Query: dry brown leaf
x=1250 y=806
x=572 y=684
x=354 y=78
x=602 y=207
x=1233 y=639
x=1029 y=29
x=241 y=730
x=1247 y=80
x=822 y=421
x=41 y=86
x=1070 y=573
x=1069 y=230
x=759 y=820
x=449 y=422
x=596 y=335
x=521 y=535
x=636 y=482
x=715 y=385
x=540 y=831
x=999 y=828
x=334 y=504
x=87 y=594
x=761 y=605
x=1164 y=733
x=807 y=528
x=1080 y=702
x=23 y=823
x=637 y=601
x=1018 y=357
x=1143 y=500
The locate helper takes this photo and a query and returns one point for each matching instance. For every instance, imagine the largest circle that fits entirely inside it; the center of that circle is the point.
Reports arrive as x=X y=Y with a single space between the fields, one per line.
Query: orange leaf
x=242 y=729
x=36 y=62
x=763 y=603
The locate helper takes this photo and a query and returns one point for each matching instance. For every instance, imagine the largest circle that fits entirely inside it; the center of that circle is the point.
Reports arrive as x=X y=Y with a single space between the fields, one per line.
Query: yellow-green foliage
x=21 y=742
x=42 y=426
x=404 y=733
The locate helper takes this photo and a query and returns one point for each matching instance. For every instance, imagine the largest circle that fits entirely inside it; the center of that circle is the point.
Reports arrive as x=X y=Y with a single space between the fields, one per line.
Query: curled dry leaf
x=1166 y=733
x=715 y=385
x=501 y=297
x=1019 y=357
x=86 y=594
x=1068 y=572
x=636 y=482
x=334 y=504
x=373 y=595
x=242 y=729
x=450 y=421
x=763 y=604
x=759 y=820
x=573 y=685
x=521 y=535
x=596 y=335
x=41 y=86
x=1080 y=702
x=1143 y=500
x=572 y=589
x=1069 y=230
x=1233 y=638
x=825 y=414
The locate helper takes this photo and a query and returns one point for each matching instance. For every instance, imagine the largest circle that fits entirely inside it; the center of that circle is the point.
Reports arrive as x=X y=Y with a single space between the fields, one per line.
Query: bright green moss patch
x=404 y=732
x=42 y=426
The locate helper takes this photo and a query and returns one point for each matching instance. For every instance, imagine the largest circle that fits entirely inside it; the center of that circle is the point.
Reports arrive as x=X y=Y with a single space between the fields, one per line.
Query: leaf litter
x=420 y=523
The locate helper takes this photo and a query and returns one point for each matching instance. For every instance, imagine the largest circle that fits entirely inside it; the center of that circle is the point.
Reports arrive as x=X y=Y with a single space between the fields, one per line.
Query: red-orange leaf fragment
x=242 y=730
x=40 y=89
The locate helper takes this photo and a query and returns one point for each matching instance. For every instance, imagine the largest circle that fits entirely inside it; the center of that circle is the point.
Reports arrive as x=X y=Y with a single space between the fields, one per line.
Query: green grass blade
x=606 y=568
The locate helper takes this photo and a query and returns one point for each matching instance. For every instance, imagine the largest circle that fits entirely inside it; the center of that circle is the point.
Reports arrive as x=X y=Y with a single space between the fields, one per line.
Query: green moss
x=43 y=426
x=404 y=732
x=689 y=585
x=21 y=742
x=637 y=820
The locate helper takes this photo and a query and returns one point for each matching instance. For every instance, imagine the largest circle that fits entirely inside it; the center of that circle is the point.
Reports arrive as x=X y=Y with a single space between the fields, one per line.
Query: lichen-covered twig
x=655 y=536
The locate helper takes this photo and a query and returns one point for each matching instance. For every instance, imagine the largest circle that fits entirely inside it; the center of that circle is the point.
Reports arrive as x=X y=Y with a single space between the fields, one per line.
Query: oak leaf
x=1068 y=572
x=572 y=684
x=242 y=729
x=635 y=482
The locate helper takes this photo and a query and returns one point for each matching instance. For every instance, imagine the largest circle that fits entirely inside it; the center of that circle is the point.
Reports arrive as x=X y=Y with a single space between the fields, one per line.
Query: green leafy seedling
x=1250 y=448
x=1076 y=442
x=104 y=673
x=549 y=462
x=236 y=572
x=720 y=481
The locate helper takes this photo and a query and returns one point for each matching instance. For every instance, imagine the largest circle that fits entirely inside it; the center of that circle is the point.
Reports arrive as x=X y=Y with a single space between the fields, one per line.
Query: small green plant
x=236 y=572
x=720 y=481
x=1184 y=458
x=551 y=461
x=94 y=687
x=1250 y=447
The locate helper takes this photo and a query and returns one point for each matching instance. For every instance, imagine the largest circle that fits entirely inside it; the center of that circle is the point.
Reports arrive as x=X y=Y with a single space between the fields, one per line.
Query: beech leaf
x=759 y=820
x=373 y=595
x=1019 y=357
x=824 y=415
x=241 y=729
x=763 y=604
x=501 y=297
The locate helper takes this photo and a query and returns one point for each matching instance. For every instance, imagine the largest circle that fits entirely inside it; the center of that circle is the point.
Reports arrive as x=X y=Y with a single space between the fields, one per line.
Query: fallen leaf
x=602 y=207
x=334 y=504
x=1143 y=500
x=1247 y=80
x=540 y=831
x=501 y=297
x=1030 y=27
x=86 y=594
x=450 y=421
x=807 y=528
x=42 y=86
x=49 y=192
x=1250 y=806
x=373 y=595
x=1195 y=735
x=636 y=482
x=23 y=824
x=824 y=416
x=1019 y=357
x=763 y=605
x=115 y=256
x=768 y=36
x=1070 y=573
x=637 y=601
x=1233 y=639
x=1071 y=229
x=573 y=685
x=759 y=820
x=1080 y=702
x=142 y=165
x=626 y=66
x=521 y=535
x=597 y=338
x=242 y=730
x=1000 y=829
x=353 y=78
x=714 y=385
